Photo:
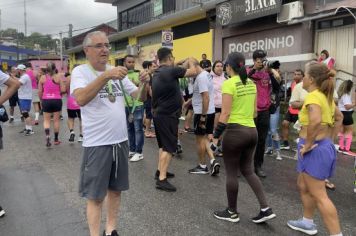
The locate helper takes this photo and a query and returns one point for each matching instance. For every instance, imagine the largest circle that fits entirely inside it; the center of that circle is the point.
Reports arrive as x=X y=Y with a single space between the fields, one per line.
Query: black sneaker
x=264 y=216
x=199 y=170
x=113 y=233
x=269 y=152
x=11 y=120
x=165 y=186
x=71 y=137
x=179 y=149
x=48 y=142
x=260 y=173
x=214 y=168
x=227 y=215
x=285 y=145
x=2 y=212
x=168 y=174
x=29 y=132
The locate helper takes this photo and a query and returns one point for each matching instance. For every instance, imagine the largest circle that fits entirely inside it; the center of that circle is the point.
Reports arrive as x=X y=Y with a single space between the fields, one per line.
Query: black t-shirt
x=166 y=95
x=205 y=64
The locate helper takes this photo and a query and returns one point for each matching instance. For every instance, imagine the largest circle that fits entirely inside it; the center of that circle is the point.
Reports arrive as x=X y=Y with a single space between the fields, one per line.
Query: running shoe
x=269 y=152
x=199 y=170
x=113 y=233
x=214 y=168
x=56 y=142
x=71 y=137
x=2 y=212
x=189 y=130
x=29 y=132
x=179 y=149
x=131 y=154
x=165 y=186
x=136 y=157
x=349 y=153
x=228 y=215
x=48 y=142
x=285 y=146
x=341 y=150
x=300 y=225
x=263 y=216
x=168 y=174
x=61 y=117
x=279 y=157
x=11 y=120
x=80 y=139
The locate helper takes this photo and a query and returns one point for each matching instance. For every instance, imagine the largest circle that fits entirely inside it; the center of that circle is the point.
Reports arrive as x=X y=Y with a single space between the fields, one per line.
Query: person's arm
x=205 y=98
x=295 y=100
x=84 y=95
x=225 y=108
x=338 y=116
x=40 y=86
x=314 y=114
x=141 y=92
x=12 y=86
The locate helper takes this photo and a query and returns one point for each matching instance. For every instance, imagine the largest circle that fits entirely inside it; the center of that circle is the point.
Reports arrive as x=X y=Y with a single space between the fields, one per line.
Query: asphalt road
x=38 y=190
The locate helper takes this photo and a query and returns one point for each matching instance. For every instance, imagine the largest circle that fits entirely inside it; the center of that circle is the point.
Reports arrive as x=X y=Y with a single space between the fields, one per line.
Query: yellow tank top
x=327 y=110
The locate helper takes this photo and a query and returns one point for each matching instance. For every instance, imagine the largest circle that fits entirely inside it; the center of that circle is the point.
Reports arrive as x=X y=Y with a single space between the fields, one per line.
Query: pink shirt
x=263 y=85
x=33 y=78
x=71 y=102
x=218 y=81
x=51 y=90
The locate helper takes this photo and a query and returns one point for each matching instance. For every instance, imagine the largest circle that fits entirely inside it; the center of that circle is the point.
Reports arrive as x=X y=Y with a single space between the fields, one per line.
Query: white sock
x=202 y=166
x=212 y=160
x=29 y=127
x=309 y=221
x=37 y=115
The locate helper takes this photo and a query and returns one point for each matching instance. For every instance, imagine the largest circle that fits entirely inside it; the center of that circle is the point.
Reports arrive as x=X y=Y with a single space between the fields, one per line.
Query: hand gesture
x=144 y=77
x=307 y=148
x=117 y=73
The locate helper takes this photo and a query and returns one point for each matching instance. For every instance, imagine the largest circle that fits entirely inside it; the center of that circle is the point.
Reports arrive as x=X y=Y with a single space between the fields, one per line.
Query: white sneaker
x=137 y=157
x=131 y=154
x=279 y=157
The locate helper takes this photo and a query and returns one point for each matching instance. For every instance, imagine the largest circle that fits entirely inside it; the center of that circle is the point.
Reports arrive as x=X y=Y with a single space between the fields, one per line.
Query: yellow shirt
x=327 y=111
x=243 y=100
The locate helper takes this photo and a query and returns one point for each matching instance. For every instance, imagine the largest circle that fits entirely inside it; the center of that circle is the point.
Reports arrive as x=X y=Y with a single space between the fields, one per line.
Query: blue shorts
x=25 y=105
x=319 y=162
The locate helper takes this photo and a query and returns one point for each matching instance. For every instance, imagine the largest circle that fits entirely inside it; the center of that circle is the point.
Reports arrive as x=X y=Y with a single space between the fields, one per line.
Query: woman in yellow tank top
x=321 y=121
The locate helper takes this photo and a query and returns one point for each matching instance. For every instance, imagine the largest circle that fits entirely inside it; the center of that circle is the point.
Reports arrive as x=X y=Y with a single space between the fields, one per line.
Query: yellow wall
x=194 y=46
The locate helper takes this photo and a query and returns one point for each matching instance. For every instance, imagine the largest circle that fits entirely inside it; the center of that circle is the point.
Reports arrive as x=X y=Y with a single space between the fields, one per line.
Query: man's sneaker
x=29 y=132
x=199 y=170
x=113 y=233
x=285 y=146
x=279 y=157
x=264 y=216
x=189 y=130
x=179 y=149
x=165 y=186
x=2 y=212
x=168 y=174
x=269 y=152
x=80 y=139
x=227 y=215
x=214 y=168
x=11 y=120
x=137 y=157
x=260 y=173
x=349 y=153
x=131 y=154
x=71 y=137
x=300 y=225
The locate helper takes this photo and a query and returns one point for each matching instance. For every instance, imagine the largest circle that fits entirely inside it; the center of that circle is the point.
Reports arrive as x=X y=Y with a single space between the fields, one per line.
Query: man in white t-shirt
x=98 y=89
x=25 y=98
x=204 y=115
x=12 y=85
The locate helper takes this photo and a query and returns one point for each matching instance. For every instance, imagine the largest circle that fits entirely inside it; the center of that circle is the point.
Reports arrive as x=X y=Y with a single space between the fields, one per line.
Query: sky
x=53 y=16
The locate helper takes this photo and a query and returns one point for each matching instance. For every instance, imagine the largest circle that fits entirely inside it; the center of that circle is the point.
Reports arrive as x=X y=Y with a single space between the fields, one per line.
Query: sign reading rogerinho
x=235 y=11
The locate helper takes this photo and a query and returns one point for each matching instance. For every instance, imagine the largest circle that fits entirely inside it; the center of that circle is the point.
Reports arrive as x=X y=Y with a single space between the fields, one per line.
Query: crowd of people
x=234 y=109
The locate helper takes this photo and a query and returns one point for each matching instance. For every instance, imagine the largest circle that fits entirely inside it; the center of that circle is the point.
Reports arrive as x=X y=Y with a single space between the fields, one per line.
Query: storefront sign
x=167 y=38
x=277 y=42
x=235 y=11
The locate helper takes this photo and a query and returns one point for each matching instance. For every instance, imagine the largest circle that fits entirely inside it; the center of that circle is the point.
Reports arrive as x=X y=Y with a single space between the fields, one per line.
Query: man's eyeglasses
x=100 y=46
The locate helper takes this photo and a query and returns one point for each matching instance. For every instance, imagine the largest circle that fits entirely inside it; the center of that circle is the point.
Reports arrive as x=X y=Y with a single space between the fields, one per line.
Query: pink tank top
x=71 y=102
x=51 y=90
x=33 y=79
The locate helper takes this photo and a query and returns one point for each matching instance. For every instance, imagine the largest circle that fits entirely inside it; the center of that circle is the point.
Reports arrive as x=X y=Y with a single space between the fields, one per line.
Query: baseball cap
x=21 y=67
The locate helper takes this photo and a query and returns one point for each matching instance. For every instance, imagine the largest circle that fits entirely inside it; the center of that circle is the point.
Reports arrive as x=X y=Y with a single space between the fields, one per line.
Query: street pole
x=25 y=16
x=61 y=48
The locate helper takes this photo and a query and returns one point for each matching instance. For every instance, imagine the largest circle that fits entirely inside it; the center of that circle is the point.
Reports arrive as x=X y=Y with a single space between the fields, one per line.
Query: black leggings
x=239 y=144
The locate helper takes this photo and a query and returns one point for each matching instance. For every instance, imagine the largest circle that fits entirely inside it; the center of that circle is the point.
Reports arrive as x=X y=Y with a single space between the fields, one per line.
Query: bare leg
x=112 y=204
x=56 y=116
x=201 y=145
x=94 y=216
x=164 y=160
x=285 y=130
x=308 y=201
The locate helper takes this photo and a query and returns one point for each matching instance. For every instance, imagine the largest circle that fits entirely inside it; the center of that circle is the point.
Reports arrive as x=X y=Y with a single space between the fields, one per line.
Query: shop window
x=324 y=2
x=120 y=44
x=150 y=39
x=190 y=29
x=326 y=24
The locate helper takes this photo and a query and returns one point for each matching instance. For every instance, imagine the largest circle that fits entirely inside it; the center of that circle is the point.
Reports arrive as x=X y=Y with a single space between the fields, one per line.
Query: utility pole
x=25 y=16
x=70 y=36
x=0 y=21
x=61 y=48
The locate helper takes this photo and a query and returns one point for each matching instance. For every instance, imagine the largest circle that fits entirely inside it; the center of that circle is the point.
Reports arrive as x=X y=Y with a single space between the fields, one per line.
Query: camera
x=271 y=64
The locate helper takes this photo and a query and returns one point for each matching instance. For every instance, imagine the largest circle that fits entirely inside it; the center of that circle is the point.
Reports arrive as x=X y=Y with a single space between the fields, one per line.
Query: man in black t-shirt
x=205 y=63
x=166 y=108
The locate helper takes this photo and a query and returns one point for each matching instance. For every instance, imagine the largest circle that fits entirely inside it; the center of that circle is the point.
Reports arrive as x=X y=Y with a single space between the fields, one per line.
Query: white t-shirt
x=3 y=77
x=344 y=100
x=203 y=83
x=25 y=91
x=104 y=122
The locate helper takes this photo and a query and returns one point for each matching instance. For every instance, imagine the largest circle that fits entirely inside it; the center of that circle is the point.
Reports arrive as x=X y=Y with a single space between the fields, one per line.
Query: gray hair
x=87 y=39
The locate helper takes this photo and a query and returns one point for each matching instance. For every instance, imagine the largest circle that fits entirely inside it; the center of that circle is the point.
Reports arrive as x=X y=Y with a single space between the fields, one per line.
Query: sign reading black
x=235 y=11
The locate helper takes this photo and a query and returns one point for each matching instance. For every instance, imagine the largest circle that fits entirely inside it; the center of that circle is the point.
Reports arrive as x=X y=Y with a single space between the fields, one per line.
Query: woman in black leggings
x=240 y=138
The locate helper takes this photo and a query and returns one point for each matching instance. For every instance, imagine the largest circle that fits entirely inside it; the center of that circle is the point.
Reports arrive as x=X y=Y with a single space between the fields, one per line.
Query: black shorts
x=74 y=114
x=217 y=109
x=13 y=100
x=347 y=118
x=51 y=105
x=148 y=109
x=166 y=128
x=291 y=117
x=209 y=124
